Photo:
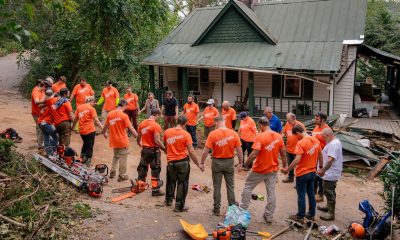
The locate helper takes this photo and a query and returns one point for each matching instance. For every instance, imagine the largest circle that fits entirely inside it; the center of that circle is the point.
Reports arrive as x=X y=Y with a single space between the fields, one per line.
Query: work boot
x=296 y=218
x=184 y=209
x=88 y=162
x=288 y=180
x=216 y=212
x=267 y=219
x=310 y=218
x=122 y=178
x=319 y=198
x=330 y=216
x=113 y=173
x=157 y=193
x=323 y=208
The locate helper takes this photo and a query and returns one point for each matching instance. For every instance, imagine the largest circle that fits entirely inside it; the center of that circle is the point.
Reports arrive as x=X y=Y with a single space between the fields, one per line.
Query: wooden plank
x=378 y=167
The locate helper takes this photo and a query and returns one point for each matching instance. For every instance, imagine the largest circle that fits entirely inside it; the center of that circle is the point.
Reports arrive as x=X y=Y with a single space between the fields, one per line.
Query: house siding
x=214 y=75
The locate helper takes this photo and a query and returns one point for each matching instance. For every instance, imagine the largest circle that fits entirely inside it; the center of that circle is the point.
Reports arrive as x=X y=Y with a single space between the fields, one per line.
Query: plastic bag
x=237 y=215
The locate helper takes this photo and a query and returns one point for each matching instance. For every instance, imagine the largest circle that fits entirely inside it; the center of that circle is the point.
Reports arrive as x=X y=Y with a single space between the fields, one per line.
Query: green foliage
x=391 y=178
x=5 y=148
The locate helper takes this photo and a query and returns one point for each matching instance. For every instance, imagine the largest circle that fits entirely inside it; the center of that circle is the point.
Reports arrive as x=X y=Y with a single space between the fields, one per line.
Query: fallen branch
x=4 y=175
x=9 y=220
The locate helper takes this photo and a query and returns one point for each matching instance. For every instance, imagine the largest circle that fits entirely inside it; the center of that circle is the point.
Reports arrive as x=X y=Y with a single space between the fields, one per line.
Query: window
x=232 y=77
x=194 y=80
x=292 y=87
x=161 y=76
x=204 y=75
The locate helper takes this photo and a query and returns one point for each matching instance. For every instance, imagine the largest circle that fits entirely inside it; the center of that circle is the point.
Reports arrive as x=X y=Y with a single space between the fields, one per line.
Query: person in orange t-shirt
x=80 y=92
x=223 y=142
x=229 y=115
x=208 y=115
x=191 y=111
x=247 y=133
x=320 y=124
x=133 y=106
x=149 y=139
x=308 y=153
x=118 y=123
x=110 y=97
x=60 y=84
x=86 y=115
x=267 y=147
x=291 y=141
x=37 y=97
x=45 y=122
x=179 y=146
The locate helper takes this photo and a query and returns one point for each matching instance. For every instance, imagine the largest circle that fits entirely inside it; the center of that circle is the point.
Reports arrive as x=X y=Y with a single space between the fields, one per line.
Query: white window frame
x=300 y=87
x=192 y=75
x=239 y=78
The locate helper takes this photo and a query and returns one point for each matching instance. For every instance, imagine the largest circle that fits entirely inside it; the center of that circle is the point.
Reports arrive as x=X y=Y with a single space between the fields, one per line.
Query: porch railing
x=280 y=106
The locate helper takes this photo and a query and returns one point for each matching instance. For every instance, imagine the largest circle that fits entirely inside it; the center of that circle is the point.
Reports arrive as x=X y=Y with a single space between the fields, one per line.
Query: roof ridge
x=275 y=2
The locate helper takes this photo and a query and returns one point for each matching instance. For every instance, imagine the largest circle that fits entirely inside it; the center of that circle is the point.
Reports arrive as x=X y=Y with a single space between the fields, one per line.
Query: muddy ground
x=140 y=217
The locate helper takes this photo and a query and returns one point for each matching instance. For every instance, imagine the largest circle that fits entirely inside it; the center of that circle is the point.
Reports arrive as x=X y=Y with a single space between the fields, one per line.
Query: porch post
x=151 y=79
x=185 y=85
x=251 y=94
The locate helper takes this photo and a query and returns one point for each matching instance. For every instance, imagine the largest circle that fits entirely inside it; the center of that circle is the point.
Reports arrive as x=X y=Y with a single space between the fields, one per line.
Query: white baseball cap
x=210 y=101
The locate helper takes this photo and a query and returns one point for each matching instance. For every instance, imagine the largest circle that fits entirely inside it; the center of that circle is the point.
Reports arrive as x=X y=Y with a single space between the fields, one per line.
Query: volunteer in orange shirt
x=118 y=123
x=308 y=154
x=45 y=122
x=37 y=97
x=133 y=106
x=223 y=142
x=86 y=115
x=179 y=147
x=247 y=133
x=229 y=115
x=320 y=124
x=63 y=116
x=208 y=115
x=267 y=147
x=60 y=84
x=291 y=141
x=81 y=91
x=110 y=97
x=149 y=139
x=191 y=111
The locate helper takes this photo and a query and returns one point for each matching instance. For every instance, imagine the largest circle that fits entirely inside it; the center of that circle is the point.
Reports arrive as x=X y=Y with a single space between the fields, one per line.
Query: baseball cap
x=210 y=101
x=242 y=115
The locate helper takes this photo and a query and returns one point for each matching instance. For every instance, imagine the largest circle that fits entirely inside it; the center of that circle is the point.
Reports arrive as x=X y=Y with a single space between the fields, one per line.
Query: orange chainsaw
x=137 y=186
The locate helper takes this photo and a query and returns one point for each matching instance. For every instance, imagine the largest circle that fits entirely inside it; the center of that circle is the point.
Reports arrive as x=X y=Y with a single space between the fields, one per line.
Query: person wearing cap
x=45 y=122
x=267 y=147
x=247 y=133
x=150 y=104
x=229 y=115
x=63 y=116
x=320 y=124
x=223 y=142
x=191 y=111
x=275 y=122
x=291 y=141
x=86 y=115
x=149 y=138
x=208 y=115
x=110 y=97
x=133 y=106
x=37 y=97
x=169 y=109
x=60 y=84
x=179 y=147
x=118 y=123
x=80 y=92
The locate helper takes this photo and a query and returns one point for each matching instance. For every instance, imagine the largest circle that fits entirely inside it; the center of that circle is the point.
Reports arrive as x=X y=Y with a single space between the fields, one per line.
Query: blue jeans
x=50 y=137
x=305 y=184
x=192 y=131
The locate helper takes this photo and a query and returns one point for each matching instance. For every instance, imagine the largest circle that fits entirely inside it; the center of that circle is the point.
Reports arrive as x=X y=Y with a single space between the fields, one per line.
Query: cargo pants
x=177 y=177
x=223 y=168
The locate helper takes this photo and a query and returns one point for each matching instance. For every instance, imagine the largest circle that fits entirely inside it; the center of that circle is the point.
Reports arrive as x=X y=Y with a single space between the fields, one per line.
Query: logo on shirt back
x=144 y=130
x=173 y=139
x=271 y=146
x=316 y=133
x=224 y=141
x=81 y=114
x=114 y=120
x=312 y=150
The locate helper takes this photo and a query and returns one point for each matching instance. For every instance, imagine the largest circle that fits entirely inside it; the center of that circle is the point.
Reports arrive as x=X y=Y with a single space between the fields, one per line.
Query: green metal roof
x=309 y=35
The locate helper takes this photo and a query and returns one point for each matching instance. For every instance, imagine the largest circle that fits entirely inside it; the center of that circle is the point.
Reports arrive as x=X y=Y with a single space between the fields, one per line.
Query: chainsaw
x=67 y=165
x=137 y=186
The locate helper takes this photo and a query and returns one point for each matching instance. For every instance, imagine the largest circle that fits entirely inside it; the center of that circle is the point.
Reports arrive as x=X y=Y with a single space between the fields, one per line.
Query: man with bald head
x=229 y=115
x=331 y=172
x=274 y=121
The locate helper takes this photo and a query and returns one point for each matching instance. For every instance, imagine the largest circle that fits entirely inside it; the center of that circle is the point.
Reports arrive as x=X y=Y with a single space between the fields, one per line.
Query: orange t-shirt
x=36 y=94
x=45 y=114
x=229 y=115
x=81 y=93
x=176 y=140
x=317 y=132
x=191 y=111
x=58 y=86
x=291 y=140
x=60 y=114
x=309 y=148
x=223 y=143
x=209 y=114
x=148 y=128
x=110 y=96
x=132 y=100
x=248 y=129
x=269 y=144
x=118 y=122
x=86 y=114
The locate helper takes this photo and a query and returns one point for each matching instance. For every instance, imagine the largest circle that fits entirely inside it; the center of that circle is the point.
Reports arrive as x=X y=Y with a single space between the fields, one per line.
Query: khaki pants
x=223 y=168
x=207 y=131
x=120 y=157
x=104 y=114
x=39 y=133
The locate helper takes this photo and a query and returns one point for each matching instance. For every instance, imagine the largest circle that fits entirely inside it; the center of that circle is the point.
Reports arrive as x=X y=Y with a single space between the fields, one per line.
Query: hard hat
x=356 y=230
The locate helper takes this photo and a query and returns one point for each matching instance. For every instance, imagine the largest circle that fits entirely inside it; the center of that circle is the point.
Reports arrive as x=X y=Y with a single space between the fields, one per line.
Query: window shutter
x=308 y=90
x=276 y=86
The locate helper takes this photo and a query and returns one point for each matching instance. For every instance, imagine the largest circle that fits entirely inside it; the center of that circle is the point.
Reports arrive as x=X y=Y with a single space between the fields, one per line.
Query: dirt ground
x=140 y=217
